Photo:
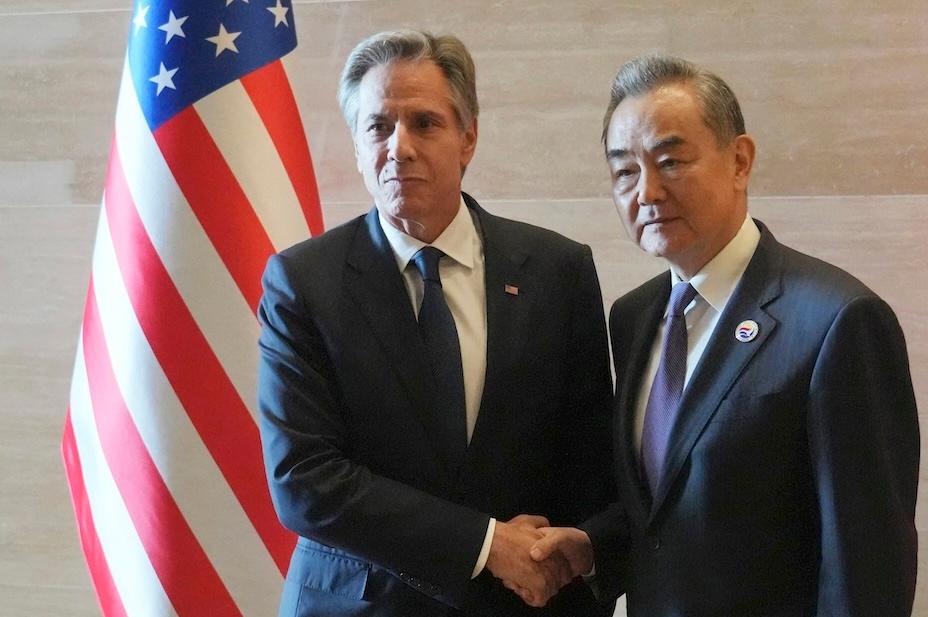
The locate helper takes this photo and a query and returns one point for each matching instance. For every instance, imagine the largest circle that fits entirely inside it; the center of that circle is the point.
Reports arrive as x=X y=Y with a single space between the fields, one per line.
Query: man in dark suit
x=766 y=435
x=429 y=371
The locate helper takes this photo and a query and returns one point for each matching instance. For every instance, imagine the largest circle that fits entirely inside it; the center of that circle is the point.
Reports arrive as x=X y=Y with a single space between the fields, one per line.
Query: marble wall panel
x=846 y=76
x=544 y=71
x=44 y=271
x=833 y=91
x=59 y=76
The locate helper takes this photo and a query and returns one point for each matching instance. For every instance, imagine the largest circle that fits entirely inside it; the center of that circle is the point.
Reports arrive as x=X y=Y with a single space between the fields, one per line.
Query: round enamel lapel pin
x=747 y=331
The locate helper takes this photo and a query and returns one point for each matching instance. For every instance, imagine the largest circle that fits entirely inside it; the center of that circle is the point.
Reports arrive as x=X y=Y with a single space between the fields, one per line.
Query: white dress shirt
x=463 y=283
x=714 y=284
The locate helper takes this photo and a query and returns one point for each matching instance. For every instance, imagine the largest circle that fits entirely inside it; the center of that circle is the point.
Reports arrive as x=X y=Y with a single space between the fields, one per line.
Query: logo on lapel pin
x=512 y=290
x=746 y=331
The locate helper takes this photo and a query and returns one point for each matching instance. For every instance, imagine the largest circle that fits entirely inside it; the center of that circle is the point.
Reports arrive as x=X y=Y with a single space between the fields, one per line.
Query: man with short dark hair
x=429 y=371
x=766 y=435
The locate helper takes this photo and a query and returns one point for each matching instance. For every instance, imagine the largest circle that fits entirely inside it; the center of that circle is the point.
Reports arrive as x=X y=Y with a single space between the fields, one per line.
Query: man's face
x=679 y=193
x=410 y=147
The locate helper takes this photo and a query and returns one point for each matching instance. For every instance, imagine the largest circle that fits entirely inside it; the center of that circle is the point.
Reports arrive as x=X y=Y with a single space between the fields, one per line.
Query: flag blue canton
x=182 y=50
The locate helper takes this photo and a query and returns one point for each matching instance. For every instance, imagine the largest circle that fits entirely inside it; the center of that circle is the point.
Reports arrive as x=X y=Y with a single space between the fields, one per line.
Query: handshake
x=536 y=560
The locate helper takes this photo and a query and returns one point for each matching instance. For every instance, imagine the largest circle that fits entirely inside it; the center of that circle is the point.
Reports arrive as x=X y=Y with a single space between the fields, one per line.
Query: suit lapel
x=377 y=287
x=724 y=358
x=507 y=311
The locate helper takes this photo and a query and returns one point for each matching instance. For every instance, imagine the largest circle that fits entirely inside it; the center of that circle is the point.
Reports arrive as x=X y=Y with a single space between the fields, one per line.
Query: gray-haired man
x=429 y=371
x=766 y=435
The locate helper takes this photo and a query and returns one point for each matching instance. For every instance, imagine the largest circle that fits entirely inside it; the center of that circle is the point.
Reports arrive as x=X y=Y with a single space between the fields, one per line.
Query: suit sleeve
x=608 y=533
x=864 y=451
x=319 y=488
x=605 y=523
x=587 y=460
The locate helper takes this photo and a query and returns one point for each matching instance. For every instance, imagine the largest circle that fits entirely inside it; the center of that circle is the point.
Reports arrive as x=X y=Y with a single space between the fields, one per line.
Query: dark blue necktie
x=664 y=401
x=440 y=335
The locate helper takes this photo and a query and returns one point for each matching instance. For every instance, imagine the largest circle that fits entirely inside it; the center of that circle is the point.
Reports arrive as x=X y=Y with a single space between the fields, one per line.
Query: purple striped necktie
x=664 y=400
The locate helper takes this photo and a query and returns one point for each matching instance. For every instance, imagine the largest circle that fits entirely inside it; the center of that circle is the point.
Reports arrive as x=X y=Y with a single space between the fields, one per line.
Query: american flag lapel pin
x=512 y=290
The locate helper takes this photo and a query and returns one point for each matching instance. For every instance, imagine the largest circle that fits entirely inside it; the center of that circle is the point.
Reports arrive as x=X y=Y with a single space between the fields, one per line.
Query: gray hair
x=446 y=51
x=720 y=109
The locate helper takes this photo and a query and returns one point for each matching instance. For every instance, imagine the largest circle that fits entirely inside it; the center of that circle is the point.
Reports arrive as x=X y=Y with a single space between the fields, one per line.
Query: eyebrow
x=667 y=142
x=661 y=144
x=431 y=113
x=616 y=153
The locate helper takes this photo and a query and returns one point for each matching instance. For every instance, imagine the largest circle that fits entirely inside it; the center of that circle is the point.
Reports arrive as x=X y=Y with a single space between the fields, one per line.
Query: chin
x=402 y=208
x=664 y=245
x=658 y=247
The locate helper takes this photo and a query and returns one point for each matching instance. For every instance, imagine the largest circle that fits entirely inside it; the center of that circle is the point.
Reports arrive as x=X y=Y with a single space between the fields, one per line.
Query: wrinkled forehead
x=420 y=83
x=664 y=117
x=404 y=77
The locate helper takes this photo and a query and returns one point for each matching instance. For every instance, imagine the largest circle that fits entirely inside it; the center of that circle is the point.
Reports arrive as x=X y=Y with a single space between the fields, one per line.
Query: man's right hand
x=573 y=545
x=535 y=581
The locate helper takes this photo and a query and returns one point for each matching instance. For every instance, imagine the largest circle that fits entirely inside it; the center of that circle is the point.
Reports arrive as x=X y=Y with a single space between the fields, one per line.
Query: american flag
x=209 y=174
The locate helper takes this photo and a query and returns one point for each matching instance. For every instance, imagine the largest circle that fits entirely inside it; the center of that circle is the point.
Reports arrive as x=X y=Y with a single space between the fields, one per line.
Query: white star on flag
x=228 y=2
x=164 y=79
x=280 y=14
x=173 y=28
x=224 y=40
x=140 y=18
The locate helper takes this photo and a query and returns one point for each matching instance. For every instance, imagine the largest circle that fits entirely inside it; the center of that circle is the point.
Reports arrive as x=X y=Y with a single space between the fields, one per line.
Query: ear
x=357 y=157
x=469 y=137
x=744 y=148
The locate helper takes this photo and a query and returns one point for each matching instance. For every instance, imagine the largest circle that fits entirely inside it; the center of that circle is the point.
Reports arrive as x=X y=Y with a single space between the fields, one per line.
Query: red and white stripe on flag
x=161 y=446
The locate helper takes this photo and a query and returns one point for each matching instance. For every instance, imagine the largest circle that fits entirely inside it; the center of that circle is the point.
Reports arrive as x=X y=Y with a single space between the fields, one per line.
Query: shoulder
x=642 y=296
x=538 y=240
x=318 y=257
x=538 y=252
x=807 y=278
x=842 y=301
x=524 y=239
x=816 y=298
x=329 y=245
x=314 y=263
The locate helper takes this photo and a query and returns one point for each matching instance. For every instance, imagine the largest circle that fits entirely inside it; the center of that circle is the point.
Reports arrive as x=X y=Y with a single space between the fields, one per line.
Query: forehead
x=669 y=111
x=402 y=81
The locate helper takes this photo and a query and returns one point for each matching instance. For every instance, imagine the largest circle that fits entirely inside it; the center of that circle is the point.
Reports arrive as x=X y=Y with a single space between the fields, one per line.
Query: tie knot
x=681 y=295
x=426 y=261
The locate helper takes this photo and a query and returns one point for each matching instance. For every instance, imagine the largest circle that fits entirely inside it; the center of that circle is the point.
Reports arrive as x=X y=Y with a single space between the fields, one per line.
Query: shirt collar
x=456 y=241
x=716 y=281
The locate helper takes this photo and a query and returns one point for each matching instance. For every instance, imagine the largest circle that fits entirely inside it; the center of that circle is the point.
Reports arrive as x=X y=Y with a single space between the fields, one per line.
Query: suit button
x=654 y=543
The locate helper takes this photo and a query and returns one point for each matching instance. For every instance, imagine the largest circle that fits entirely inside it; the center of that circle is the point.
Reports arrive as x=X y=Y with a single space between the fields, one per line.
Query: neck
x=424 y=228
x=687 y=266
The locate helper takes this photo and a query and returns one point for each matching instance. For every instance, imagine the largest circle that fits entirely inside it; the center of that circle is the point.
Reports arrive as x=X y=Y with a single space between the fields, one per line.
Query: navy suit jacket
x=790 y=483
x=344 y=395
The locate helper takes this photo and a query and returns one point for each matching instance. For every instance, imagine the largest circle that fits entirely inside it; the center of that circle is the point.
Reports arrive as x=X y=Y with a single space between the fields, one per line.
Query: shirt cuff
x=485 y=551
x=591 y=574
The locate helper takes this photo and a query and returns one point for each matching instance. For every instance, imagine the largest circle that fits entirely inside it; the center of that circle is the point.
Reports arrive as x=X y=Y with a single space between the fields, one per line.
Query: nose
x=650 y=187
x=400 y=147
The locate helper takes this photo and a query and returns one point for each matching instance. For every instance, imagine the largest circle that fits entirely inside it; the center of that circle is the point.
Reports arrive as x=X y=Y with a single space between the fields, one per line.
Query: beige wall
x=834 y=92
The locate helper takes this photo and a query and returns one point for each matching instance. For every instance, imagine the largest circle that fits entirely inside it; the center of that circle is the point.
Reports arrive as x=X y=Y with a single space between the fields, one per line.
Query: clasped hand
x=536 y=560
